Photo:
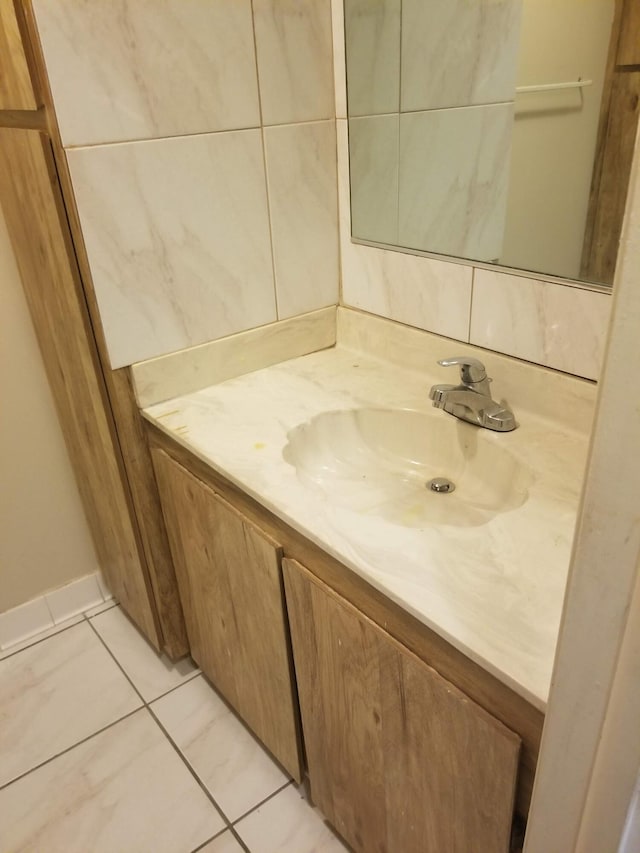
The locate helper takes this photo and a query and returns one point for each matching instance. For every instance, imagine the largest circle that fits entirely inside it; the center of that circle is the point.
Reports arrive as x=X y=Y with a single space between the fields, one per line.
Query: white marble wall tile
x=53 y=695
x=152 y=674
x=125 y=789
x=177 y=235
x=422 y=292
x=373 y=152
x=192 y=369
x=339 y=70
x=301 y=176
x=287 y=822
x=229 y=761
x=293 y=44
x=148 y=68
x=373 y=56
x=454 y=177
x=457 y=53
x=559 y=326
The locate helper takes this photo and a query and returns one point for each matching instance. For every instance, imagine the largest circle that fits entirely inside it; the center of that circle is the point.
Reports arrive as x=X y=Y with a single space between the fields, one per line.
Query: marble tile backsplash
x=141 y=69
x=559 y=326
x=177 y=234
x=201 y=218
x=302 y=182
x=295 y=66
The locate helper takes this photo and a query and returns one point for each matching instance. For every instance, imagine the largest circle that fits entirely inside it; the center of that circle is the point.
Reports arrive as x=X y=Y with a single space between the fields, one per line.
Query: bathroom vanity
x=402 y=663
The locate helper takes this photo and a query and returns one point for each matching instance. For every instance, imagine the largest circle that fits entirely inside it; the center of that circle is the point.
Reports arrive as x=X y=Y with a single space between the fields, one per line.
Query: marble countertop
x=494 y=591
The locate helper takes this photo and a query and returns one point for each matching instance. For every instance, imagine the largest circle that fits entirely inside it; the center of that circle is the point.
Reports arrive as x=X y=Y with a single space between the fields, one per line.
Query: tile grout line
x=209 y=840
x=190 y=134
x=10 y=654
x=262 y=802
x=69 y=748
x=153 y=716
x=263 y=142
x=145 y=705
x=89 y=621
x=186 y=763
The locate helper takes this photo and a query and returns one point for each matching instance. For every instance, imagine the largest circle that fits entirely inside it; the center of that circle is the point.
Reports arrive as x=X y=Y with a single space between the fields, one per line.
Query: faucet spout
x=471 y=401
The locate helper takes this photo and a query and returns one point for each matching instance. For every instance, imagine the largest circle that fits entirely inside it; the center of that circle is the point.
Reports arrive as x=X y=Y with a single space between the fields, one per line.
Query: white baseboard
x=47 y=611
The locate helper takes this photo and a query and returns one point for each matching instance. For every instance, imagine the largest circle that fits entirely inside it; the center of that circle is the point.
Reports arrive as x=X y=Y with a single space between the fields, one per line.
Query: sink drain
x=441 y=485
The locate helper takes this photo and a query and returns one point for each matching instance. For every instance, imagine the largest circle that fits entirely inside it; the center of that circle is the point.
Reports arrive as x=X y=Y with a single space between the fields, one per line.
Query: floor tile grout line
x=191 y=770
x=10 y=654
x=262 y=802
x=238 y=838
x=229 y=824
x=69 y=748
x=164 y=731
x=88 y=620
x=146 y=702
x=209 y=840
x=188 y=680
x=109 y=605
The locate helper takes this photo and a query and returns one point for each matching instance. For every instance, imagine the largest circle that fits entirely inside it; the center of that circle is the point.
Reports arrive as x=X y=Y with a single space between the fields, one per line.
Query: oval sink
x=381 y=462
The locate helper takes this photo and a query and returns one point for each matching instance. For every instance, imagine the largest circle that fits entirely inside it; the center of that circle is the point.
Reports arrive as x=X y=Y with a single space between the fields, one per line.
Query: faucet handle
x=472 y=370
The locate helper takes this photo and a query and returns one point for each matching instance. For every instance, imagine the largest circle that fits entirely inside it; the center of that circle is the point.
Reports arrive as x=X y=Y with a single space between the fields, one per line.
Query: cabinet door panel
x=399 y=758
x=230 y=585
x=16 y=89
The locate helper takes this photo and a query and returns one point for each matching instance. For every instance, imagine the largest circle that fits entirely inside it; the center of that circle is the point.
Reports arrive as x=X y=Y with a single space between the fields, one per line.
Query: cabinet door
x=230 y=584
x=16 y=89
x=399 y=759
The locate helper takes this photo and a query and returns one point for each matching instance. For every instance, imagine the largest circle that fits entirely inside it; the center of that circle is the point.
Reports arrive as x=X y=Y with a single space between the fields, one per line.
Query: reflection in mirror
x=498 y=131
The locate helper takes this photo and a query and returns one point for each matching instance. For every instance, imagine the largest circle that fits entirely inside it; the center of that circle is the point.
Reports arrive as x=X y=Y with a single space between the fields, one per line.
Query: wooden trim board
x=137 y=469
x=34 y=211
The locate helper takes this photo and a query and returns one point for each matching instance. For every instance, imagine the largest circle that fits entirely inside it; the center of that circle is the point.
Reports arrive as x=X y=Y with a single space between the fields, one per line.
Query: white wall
x=44 y=538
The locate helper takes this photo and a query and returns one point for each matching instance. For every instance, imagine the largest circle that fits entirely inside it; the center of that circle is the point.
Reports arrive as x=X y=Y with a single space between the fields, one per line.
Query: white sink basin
x=380 y=461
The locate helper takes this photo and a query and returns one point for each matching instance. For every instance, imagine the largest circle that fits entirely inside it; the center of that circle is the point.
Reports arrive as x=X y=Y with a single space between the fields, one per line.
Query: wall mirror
x=499 y=131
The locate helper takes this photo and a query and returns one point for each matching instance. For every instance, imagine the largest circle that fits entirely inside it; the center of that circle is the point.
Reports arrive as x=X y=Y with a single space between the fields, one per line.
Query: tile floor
x=107 y=746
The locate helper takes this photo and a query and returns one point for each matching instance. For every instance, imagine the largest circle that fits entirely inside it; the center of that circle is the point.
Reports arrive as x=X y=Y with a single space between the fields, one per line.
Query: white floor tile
x=224 y=843
x=287 y=824
x=152 y=674
x=227 y=758
x=36 y=638
x=124 y=790
x=54 y=694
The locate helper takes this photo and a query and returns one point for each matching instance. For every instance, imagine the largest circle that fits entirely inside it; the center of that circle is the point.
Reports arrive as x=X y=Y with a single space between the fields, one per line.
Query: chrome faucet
x=471 y=400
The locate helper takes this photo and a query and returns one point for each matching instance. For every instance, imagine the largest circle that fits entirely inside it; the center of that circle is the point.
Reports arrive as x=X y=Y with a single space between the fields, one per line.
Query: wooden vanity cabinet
x=399 y=759
x=230 y=582
x=410 y=745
